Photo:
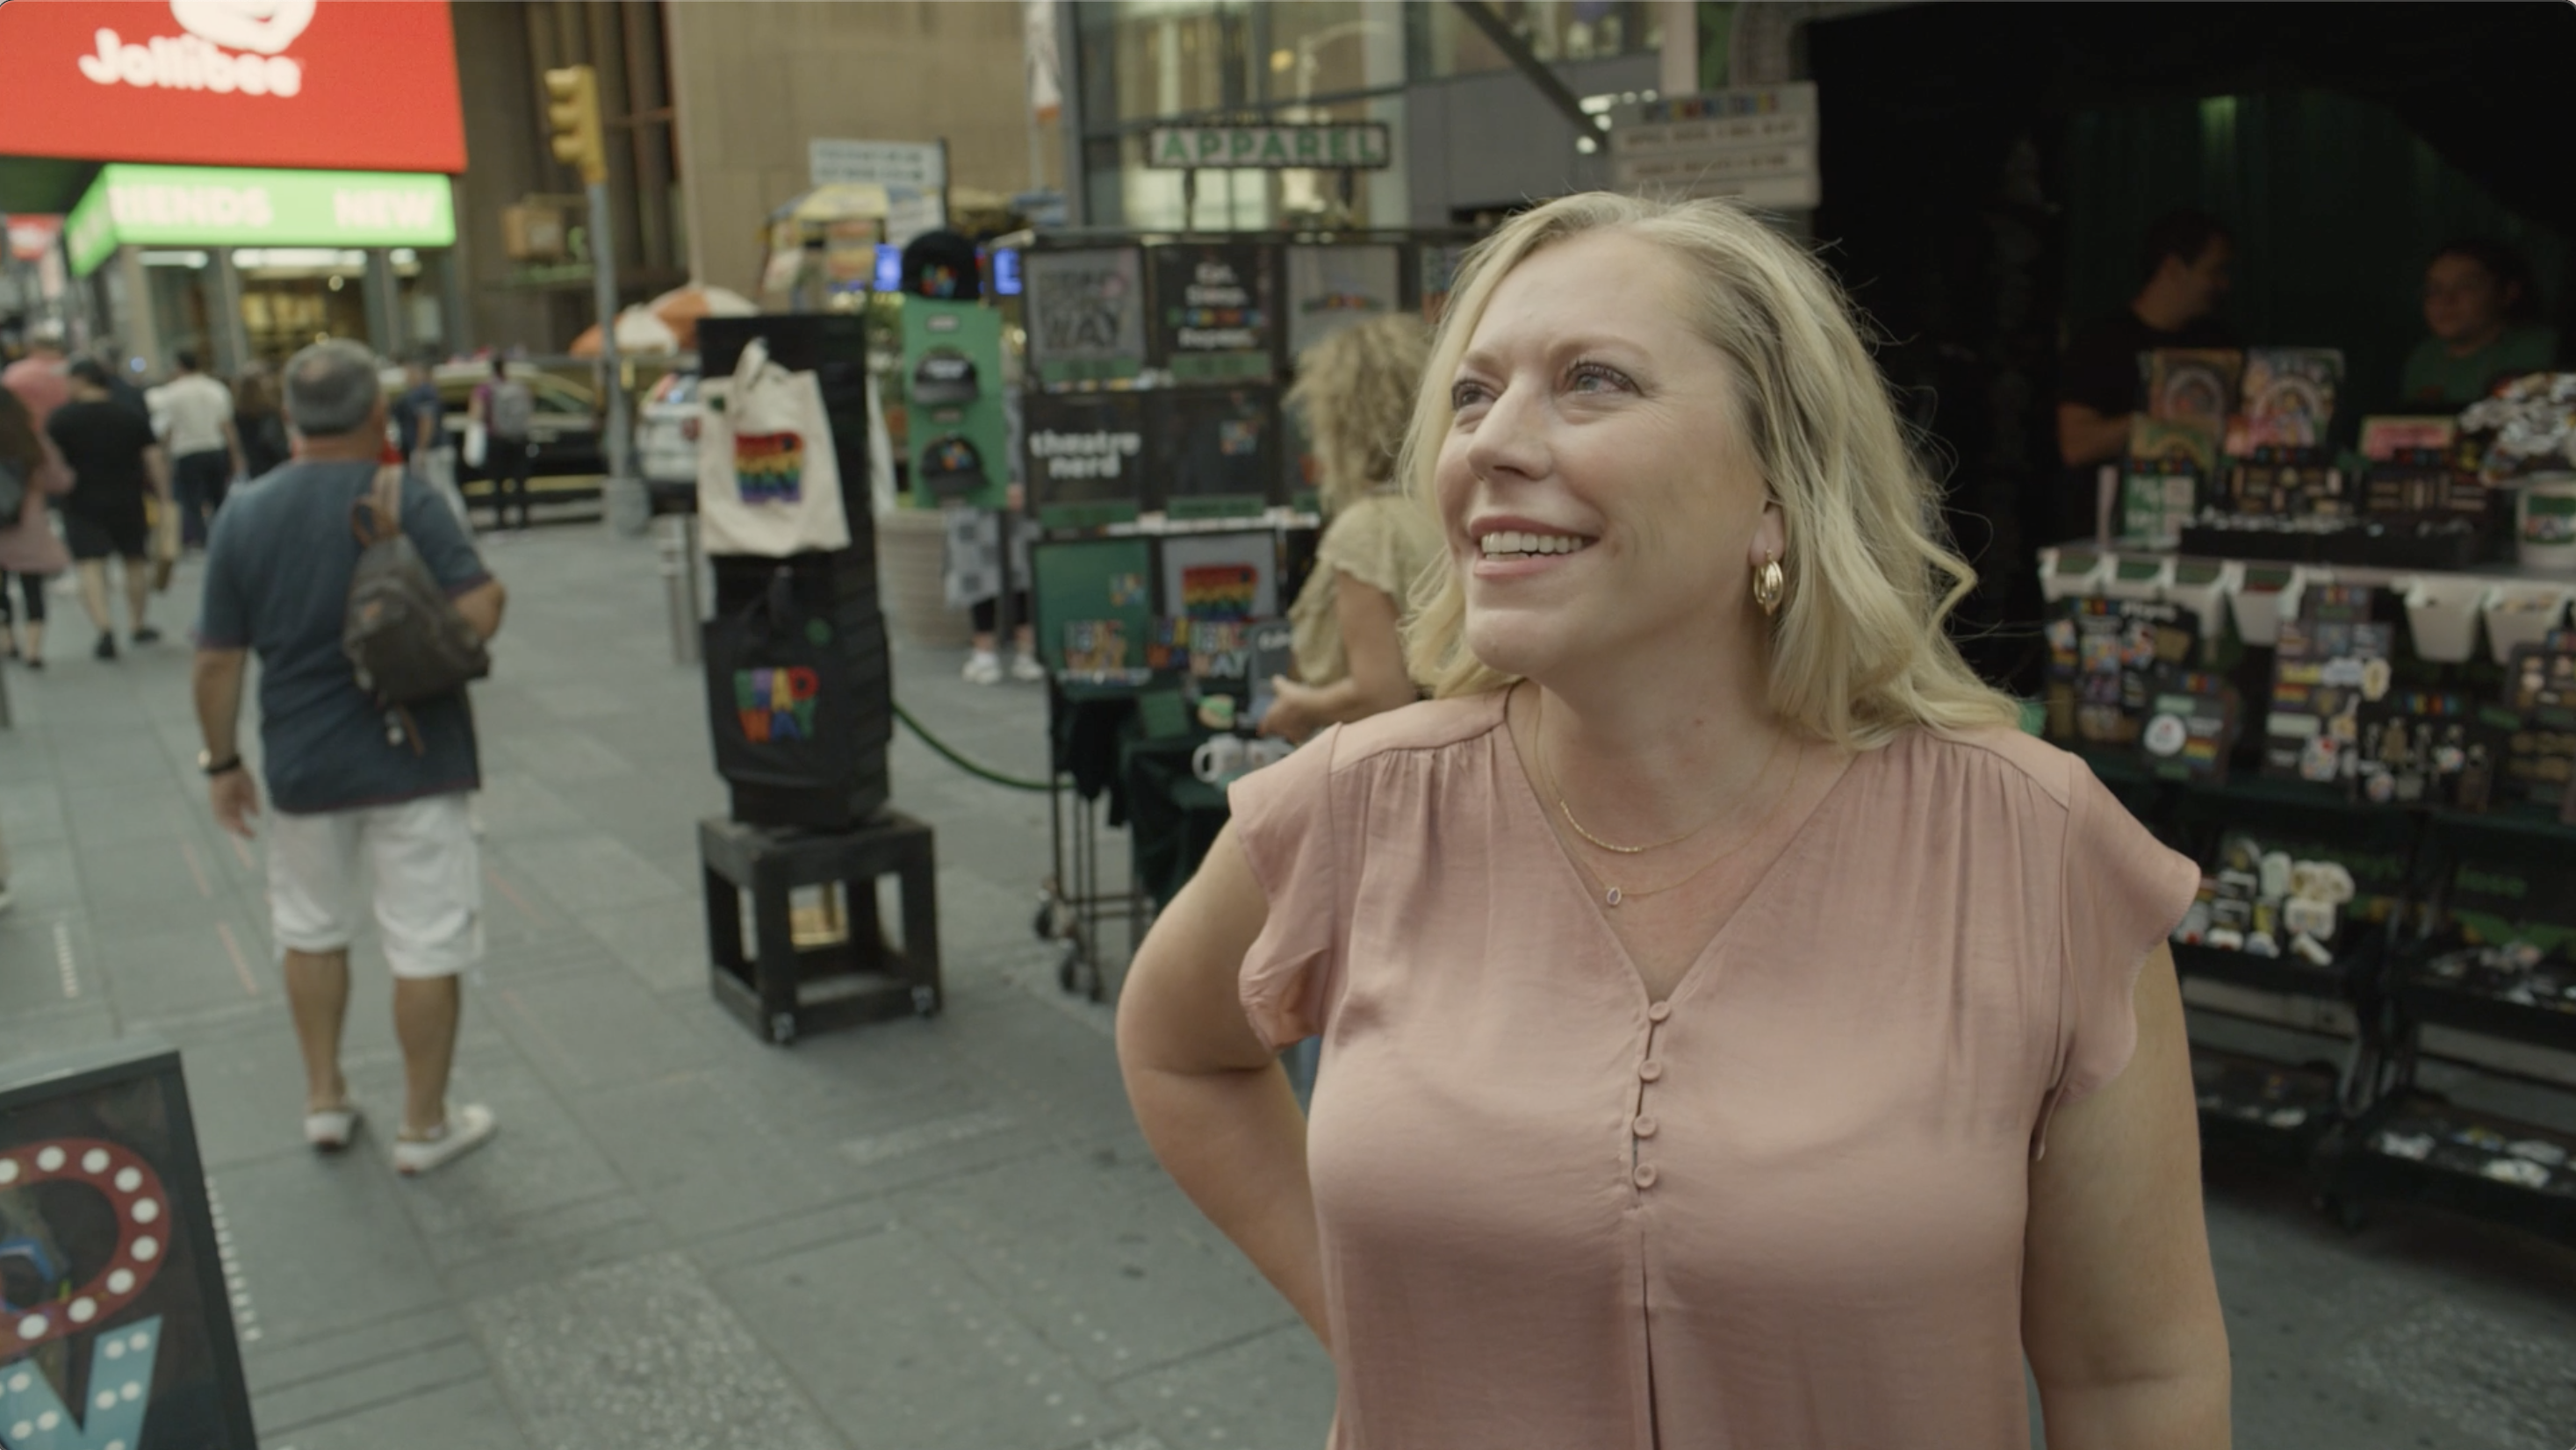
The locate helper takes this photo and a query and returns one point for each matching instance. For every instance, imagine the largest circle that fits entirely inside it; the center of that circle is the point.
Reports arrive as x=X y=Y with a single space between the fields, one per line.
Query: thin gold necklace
x=1615 y=895
x=1538 y=747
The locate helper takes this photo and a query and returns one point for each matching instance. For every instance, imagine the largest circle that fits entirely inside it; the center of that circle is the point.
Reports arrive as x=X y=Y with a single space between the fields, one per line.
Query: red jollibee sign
x=350 y=84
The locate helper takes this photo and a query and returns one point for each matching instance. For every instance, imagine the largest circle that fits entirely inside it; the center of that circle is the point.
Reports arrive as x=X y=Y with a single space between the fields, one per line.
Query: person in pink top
x=41 y=379
x=1737 y=1035
x=28 y=548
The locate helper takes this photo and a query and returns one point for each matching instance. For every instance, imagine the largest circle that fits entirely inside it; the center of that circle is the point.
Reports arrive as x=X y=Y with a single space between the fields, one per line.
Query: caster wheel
x=925 y=1001
x=2346 y=1214
x=1068 y=968
x=782 y=1029
x=1043 y=924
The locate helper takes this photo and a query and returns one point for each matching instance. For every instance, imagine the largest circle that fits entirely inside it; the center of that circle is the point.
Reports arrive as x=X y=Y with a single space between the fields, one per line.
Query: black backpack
x=401 y=632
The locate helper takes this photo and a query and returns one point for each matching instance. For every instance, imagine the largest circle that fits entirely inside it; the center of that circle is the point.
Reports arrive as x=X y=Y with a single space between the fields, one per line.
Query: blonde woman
x=1735 y=1032
x=1356 y=389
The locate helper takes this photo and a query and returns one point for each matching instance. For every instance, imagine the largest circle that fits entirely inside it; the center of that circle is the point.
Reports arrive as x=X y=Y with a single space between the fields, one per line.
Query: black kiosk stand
x=809 y=806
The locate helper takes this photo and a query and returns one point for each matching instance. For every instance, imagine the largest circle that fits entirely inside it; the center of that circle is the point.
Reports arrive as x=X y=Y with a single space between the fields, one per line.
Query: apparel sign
x=208 y=206
x=1359 y=146
x=347 y=83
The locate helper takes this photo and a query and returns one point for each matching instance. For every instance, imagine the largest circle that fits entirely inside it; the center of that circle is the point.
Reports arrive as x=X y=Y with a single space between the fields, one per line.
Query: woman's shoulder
x=2024 y=767
x=1429 y=726
x=1382 y=512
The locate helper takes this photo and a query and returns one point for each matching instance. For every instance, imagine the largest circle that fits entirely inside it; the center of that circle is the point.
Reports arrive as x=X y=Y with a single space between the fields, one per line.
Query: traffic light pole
x=572 y=118
x=603 y=273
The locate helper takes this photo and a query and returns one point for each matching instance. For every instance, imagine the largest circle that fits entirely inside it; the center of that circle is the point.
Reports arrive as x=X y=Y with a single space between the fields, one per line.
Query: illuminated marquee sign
x=202 y=206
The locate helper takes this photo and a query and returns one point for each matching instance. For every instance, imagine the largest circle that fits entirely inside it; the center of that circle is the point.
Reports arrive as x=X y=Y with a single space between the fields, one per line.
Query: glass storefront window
x=1304 y=50
x=1144 y=60
x=1555 y=30
x=292 y=296
x=1163 y=58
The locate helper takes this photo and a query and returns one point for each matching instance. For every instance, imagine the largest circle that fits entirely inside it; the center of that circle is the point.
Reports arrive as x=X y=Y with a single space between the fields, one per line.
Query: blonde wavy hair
x=1356 y=389
x=1858 y=650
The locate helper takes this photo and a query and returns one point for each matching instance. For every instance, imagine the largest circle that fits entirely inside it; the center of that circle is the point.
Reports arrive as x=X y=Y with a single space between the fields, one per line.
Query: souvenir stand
x=2345 y=683
x=1178 y=519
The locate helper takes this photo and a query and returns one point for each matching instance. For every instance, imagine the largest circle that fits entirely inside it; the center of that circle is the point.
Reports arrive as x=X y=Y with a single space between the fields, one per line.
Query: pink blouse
x=1784 y=1207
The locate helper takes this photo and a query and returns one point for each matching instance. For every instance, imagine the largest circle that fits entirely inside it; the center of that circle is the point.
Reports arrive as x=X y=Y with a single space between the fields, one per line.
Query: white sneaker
x=466 y=1129
x=331 y=1130
x=1026 y=669
x=982 y=668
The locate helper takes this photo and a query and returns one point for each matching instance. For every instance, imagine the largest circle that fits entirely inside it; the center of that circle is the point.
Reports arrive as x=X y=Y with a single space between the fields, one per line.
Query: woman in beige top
x=1735 y=1033
x=1356 y=389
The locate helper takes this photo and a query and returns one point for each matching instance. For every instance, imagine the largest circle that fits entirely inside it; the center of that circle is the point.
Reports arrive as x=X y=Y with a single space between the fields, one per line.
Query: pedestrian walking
x=357 y=794
x=194 y=415
x=258 y=421
x=41 y=379
x=29 y=464
x=420 y=428
x=505 y=408
x=116 y=463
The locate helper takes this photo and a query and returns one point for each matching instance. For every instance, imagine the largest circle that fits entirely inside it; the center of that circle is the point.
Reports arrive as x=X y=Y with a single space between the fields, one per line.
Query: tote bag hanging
x=782 y=704
x=768 y=481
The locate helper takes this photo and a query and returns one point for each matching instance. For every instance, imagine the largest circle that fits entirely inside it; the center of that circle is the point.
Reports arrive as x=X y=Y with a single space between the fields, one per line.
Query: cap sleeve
x=1369 y=543
x=1284 y=816
x=2123 y=891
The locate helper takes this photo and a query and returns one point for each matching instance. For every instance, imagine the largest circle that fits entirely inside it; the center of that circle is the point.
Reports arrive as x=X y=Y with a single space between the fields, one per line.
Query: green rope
x=1010 y=782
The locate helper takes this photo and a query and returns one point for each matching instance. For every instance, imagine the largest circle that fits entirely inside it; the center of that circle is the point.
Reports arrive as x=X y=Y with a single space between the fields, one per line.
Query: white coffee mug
x=1268 y=750
x=1218 y=759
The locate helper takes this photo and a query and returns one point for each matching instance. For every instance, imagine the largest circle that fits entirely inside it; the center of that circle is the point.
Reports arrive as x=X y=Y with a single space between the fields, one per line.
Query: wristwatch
x=213 y=767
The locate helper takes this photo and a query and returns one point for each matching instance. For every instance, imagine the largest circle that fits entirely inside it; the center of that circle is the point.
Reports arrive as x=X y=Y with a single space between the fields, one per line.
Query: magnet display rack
x=2358 y=1123
x=2275 y=1109
x=2416 y=1145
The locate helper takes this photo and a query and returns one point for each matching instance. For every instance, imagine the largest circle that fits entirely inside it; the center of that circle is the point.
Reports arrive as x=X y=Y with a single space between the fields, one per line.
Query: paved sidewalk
x=914 y=1235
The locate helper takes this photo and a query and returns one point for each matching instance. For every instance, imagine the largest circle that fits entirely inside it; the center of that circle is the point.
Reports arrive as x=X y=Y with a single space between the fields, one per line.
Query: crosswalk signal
x=572 y=115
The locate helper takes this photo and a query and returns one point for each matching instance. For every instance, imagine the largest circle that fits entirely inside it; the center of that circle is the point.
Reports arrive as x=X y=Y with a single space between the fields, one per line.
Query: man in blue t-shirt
x=359 y=793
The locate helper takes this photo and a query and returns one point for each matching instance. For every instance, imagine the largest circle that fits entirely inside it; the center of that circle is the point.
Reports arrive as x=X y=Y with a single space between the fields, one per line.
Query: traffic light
x=572 y=115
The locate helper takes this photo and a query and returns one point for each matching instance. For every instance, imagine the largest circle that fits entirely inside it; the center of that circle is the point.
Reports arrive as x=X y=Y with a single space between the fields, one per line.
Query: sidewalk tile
x=900 y=1345
x=640 y=1353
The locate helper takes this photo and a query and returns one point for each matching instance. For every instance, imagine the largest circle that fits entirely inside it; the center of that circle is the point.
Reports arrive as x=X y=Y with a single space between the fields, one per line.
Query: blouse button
x=1649 y=1070
x=1645 y=1175
x=1644 y=1127
x=1659 y=1011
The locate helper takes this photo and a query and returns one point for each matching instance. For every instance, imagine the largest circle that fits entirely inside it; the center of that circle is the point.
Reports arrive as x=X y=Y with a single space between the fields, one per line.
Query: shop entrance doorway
x=292 y=299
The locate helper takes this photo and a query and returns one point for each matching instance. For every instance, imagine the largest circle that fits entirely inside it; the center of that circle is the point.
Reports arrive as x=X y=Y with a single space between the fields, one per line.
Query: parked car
x=666 y=432
x=565 y=428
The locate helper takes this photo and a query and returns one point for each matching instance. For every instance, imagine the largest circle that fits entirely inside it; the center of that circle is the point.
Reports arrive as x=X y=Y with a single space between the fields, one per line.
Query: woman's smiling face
x=1595 y=485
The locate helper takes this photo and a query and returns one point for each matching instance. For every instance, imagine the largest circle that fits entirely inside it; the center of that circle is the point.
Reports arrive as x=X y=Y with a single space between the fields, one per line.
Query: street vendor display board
x=1086 y=315
x=119 y=1328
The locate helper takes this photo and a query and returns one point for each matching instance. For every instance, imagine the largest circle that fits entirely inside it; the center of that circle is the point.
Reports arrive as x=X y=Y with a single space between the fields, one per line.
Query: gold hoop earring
x=1770 y=586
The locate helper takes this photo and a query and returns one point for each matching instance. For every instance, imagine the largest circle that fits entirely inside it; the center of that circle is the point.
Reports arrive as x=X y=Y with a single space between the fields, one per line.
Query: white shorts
x=426 y=872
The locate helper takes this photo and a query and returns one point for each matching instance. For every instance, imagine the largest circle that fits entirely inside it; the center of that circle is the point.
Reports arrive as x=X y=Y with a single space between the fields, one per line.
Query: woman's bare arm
x=2120 y=1312
x=1211 y=1098
x=1377 y=682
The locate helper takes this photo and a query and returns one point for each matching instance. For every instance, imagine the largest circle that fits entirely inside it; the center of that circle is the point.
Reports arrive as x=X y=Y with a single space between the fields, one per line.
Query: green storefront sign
x=200 y=206
x=1358 y=146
